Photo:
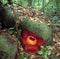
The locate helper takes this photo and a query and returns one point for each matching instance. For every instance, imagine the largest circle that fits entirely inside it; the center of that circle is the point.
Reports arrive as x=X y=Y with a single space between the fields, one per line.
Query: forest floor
x=36 y=15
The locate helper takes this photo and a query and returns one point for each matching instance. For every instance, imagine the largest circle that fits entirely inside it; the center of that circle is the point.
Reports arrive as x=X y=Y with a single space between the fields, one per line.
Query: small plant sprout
x=45 y=51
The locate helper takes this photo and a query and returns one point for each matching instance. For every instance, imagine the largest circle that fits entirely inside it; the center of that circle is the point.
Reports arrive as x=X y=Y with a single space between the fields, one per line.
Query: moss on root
x=40 y=29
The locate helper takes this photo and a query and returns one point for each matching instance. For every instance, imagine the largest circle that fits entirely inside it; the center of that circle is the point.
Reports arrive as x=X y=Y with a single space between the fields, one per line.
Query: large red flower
x=31 y=41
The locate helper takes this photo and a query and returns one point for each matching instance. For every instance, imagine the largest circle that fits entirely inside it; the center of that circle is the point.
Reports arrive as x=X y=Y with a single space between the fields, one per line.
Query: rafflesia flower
x=31 y=41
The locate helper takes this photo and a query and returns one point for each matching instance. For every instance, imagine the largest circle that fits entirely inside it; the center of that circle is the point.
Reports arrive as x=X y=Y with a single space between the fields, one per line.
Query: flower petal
x=31 y=49
x=40 y=41
x=24 y=34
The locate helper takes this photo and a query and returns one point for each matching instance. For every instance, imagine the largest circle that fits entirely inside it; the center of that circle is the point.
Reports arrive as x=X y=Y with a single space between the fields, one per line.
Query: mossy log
x=6 y=17
x=40 y=29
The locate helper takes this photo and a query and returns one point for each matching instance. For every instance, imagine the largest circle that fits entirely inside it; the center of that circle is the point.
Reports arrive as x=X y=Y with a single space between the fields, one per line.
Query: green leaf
x=4 y=1
x=58 y=20
x=11 y=30
x=45 y=56
x=20 y=30
x=40 y=52
x=24 y=3
x=16 y=1
x=49 y=53
x=42 y=47
x=49 y=47
x=21 y=57
x=25 y=57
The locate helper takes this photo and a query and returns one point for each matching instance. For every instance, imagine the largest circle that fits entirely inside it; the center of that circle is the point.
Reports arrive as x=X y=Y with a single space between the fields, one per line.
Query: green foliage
x=54 y=19
x=4 y=1
x=7 y=47
x=3 y=42
x=11 y=30
x=16 y=1
x=45 y=51
x=37 y=4
x=50 y=7
x=46 y=5
x=20 y=30
x=55 y=23
x=8 y=11
x=22 y=57
x=24 y=3
x=55 y=27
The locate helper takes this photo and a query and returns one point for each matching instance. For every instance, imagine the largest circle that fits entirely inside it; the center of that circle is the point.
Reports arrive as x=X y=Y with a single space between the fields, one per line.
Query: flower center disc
x=31 y=40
